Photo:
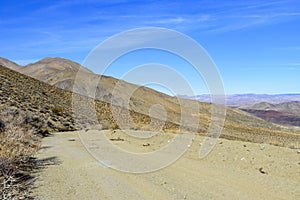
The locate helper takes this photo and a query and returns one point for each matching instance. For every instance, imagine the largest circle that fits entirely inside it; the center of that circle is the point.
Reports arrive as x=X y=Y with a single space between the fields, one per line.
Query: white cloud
x=176 y=20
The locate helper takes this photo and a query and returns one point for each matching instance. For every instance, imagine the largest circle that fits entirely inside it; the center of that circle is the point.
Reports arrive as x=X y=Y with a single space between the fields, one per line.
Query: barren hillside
x=55 y=106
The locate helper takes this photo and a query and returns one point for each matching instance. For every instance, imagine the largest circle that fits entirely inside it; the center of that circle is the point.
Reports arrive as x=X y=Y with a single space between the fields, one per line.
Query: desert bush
x=114 y=126
x=57 y=110
x=17 y=145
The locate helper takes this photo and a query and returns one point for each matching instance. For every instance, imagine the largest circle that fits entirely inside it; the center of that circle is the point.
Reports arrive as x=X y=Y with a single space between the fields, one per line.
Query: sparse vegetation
x=30 y=108
x=17 y=146
x=23 y=93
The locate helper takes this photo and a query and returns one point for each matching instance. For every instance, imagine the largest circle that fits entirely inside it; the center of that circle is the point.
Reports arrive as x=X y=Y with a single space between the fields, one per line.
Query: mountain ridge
x=238 y=125
x=286 y=113
x=237 y=100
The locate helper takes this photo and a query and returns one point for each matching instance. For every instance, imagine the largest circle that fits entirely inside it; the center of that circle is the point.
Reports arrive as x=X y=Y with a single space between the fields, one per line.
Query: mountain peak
x=48 y=65
x=55 y=59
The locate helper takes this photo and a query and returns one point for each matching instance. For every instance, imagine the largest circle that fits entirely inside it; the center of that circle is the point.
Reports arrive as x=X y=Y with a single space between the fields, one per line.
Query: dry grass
x=17 y=146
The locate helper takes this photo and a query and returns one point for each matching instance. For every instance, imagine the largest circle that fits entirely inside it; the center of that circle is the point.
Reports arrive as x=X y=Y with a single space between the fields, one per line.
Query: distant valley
x=237 y=100
x=283 y=109
x=287 y=113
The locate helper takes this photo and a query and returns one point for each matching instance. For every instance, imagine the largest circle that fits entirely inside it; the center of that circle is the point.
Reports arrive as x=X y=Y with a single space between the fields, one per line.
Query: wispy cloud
x=205 y=16
x=174 y=20
x=65 y=26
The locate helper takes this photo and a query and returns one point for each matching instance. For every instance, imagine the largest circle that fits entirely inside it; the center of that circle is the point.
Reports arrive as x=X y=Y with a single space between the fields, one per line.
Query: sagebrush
x=18 y=143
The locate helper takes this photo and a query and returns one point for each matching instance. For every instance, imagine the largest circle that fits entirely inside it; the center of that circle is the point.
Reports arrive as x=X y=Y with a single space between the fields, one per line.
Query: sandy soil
x=233 y=170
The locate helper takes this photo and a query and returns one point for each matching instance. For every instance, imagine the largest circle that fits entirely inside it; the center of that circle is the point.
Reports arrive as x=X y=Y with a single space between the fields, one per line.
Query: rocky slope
x=54 y=106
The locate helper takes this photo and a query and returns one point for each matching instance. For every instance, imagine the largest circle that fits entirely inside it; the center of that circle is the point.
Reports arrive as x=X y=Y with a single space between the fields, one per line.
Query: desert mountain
x=237 y=100
x=288 y=107
x=9 y=64
x=287 y=113
x=55 y=105
x=53 y=70
x=62 y=73
x=51 y=107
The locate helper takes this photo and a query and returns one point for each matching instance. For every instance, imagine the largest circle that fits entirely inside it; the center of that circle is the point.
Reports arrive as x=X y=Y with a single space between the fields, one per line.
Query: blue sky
x=255 y=44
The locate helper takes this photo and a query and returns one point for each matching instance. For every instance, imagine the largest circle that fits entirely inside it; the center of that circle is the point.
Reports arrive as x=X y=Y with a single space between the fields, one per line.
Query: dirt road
x=233 y=170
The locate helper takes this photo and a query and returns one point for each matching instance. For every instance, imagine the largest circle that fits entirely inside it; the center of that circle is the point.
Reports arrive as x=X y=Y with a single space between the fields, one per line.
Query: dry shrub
x=57 y=110
x=17 y=145
x=114 y=126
